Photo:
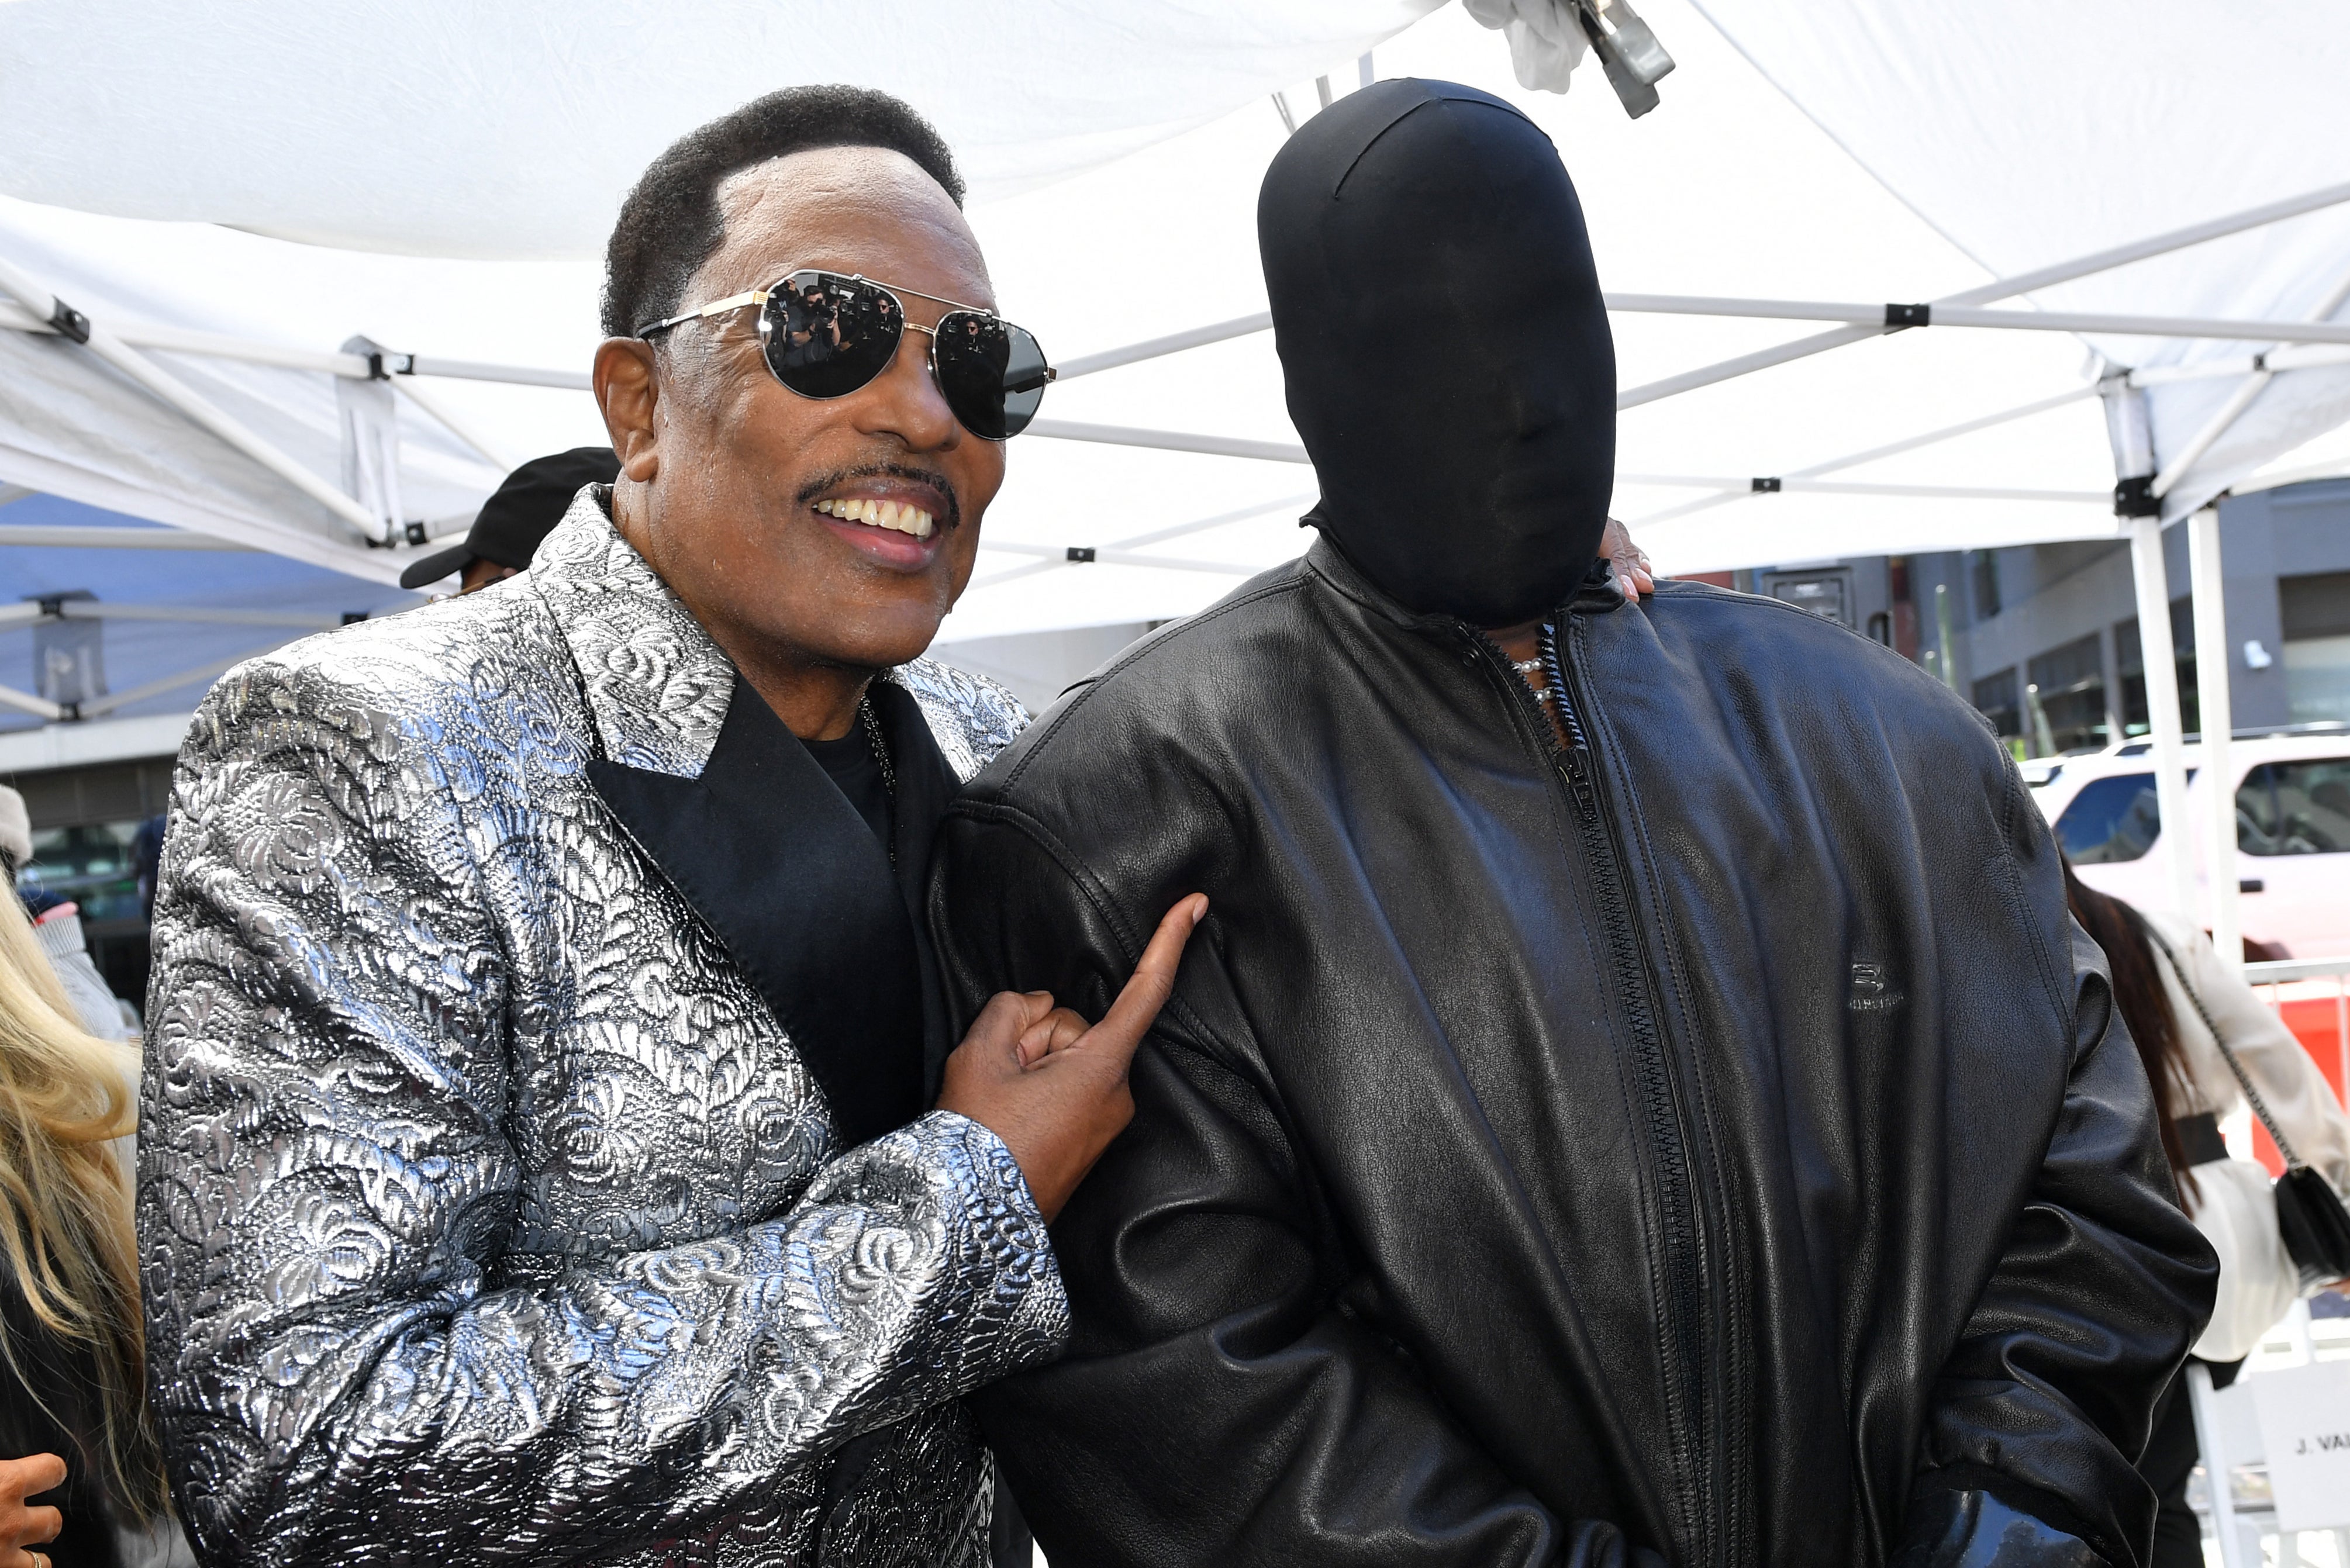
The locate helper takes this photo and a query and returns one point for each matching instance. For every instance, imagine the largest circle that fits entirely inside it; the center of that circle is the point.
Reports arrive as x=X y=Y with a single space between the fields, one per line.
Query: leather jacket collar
x=1596 y=595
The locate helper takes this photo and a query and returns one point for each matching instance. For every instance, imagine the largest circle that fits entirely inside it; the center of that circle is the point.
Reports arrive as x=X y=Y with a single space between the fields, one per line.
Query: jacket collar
x=657 y=686
x=1597 y=594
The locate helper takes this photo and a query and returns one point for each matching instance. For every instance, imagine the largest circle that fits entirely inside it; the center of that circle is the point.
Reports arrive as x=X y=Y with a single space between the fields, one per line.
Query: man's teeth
x=904 y=518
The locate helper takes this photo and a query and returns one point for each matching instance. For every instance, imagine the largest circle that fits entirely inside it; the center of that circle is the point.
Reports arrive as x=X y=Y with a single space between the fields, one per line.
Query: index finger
x=1153 y=980
x=32 y=1475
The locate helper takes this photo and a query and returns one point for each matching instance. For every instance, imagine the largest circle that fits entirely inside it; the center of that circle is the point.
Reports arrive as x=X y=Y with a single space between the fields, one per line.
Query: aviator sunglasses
x=827 y=334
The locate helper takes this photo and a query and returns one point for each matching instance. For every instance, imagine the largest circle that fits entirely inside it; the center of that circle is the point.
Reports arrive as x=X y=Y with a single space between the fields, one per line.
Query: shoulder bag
x=2311 y=1220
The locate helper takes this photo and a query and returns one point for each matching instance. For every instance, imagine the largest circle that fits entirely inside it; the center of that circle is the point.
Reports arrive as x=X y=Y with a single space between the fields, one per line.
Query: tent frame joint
x=2136 y=497
x=66 y=322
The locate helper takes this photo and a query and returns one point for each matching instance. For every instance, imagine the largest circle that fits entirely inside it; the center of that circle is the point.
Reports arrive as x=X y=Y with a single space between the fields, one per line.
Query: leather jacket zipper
x=1683 y=1252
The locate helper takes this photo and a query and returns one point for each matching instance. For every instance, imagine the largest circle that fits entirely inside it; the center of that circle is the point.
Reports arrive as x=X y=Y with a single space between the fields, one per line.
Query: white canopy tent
x=446 y=174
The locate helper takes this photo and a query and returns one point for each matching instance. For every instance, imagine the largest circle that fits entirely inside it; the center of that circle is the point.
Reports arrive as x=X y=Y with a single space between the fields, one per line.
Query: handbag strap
x=2244 y=1079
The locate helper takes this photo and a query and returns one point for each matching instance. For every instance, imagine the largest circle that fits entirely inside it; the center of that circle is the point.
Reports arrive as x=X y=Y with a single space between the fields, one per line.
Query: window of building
x=2295 y=809
x=2316 y=614
x=1998 y=696
x=2111 y=820
x=2070 y=683
x=1826 y=594
x=1982 y=577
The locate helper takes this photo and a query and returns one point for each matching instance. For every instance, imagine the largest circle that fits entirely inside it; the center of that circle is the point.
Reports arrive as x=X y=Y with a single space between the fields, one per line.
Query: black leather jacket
x=1715 y=1139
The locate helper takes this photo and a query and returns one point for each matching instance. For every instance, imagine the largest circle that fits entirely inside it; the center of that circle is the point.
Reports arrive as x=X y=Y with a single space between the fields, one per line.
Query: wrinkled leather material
x=1975 y=1530
x=1721 y=1175
x=498 y=1202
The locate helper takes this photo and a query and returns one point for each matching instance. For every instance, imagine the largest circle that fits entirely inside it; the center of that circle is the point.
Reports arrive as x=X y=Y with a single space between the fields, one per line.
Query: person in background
x=72 y=1407
x=2162 y=968
x=147 y=854
x=56 y=926
x=519 y=513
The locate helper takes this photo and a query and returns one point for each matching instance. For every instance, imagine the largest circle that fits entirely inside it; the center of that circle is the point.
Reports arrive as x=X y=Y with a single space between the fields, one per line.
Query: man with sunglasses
x=1643 y=1100
x=534 y=1157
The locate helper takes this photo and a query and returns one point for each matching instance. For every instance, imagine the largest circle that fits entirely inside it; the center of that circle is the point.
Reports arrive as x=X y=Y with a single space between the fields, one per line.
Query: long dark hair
x=2145 y=1006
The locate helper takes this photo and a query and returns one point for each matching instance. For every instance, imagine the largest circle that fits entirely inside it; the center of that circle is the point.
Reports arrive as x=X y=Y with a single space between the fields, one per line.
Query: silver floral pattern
x=487 y=1213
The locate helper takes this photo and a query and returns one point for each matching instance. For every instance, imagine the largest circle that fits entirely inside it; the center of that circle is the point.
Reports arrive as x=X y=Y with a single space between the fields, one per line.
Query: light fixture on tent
x=1548 y=37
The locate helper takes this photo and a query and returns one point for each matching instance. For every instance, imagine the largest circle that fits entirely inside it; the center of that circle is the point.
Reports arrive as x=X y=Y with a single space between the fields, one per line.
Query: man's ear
x=627 y=392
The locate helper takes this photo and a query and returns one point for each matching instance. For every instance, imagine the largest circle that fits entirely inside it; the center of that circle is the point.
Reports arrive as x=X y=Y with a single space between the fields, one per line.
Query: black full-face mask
x=1447 y=355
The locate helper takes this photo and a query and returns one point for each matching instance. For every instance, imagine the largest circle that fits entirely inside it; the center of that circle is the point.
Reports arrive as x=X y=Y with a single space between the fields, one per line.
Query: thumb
x=995 y=1033
x=1136 y=1007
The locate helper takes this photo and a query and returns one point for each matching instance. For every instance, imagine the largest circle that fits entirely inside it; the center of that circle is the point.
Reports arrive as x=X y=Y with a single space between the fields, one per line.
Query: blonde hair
x=65 y=1233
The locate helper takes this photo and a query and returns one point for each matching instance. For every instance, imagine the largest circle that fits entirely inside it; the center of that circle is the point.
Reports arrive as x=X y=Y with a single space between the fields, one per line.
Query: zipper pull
x=1574 y=757
x=1576 y=764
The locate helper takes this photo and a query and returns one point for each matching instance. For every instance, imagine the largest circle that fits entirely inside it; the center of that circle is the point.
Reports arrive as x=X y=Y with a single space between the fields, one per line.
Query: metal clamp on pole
x=2134 y=497
x=68 y=322
x=1628 y=52
x=1900 y=316
x=1767 y=484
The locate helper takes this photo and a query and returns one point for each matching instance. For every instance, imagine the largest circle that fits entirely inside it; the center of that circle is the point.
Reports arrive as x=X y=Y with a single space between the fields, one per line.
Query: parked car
x=2292 y=828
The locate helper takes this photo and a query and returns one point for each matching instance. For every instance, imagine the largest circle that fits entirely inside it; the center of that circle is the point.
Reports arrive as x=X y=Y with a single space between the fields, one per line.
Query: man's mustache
x=950 y=516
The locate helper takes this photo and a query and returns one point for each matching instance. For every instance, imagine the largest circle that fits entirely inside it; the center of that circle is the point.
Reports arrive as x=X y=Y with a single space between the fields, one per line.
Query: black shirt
x=849 y=763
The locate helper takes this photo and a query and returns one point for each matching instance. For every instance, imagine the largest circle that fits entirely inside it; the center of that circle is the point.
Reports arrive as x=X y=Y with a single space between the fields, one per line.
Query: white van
x=2292 y=828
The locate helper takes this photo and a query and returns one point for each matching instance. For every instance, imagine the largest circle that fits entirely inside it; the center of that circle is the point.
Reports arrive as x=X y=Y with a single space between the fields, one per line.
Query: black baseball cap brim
x=440 y=564
x=520 y=514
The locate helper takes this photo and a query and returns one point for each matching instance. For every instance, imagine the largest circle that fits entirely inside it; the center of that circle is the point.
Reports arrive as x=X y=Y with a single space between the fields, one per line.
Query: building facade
x=2045 y=639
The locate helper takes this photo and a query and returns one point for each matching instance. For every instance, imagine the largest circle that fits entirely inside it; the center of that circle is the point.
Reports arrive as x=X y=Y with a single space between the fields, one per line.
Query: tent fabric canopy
x=450 y=129
x=2027 y=133
x=1838 y=151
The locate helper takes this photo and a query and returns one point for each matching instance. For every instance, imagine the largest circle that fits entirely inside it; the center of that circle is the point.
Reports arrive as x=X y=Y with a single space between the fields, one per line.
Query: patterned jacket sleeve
x=339 y=1370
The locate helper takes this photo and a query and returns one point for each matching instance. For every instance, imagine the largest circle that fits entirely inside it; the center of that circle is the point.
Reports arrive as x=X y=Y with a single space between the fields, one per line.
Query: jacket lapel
x=770 y=854
x=743 y=822
x=926 y=783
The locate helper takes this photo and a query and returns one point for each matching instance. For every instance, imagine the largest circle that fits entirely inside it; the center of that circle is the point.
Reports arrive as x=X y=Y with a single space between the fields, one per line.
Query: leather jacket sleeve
x=1203 y=1315
x=2040 y=1401
x=344 y=1365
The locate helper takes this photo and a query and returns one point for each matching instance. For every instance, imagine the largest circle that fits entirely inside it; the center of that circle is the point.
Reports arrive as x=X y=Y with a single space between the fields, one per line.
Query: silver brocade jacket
x=487 y=1212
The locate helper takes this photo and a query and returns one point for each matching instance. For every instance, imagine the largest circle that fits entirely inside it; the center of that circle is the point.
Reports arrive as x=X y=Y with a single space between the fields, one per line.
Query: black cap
x=524 y=511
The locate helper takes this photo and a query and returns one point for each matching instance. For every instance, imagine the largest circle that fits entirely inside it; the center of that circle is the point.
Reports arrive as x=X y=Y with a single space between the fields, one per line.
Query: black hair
x=2144 y=1004
x=669 y=225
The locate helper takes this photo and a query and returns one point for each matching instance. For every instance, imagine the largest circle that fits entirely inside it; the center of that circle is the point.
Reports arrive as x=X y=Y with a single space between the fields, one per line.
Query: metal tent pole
x=1895 y=316
x=1124 y=551
x=1170 y=440
x=2002 y=288
x=2211 y=1437
x=104 y=344
x=1772 y=484
x=1891 y=449
x=2211 y=698
x=1157 y=347
x=448 y=420
x=76 y=538
x=2153 y=583
x=2131 y=431
x=2251 y=387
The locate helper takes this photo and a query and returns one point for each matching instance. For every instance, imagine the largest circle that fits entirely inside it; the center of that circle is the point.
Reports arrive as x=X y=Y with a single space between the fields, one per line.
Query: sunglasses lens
x=828 y=335
x=991 y=372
